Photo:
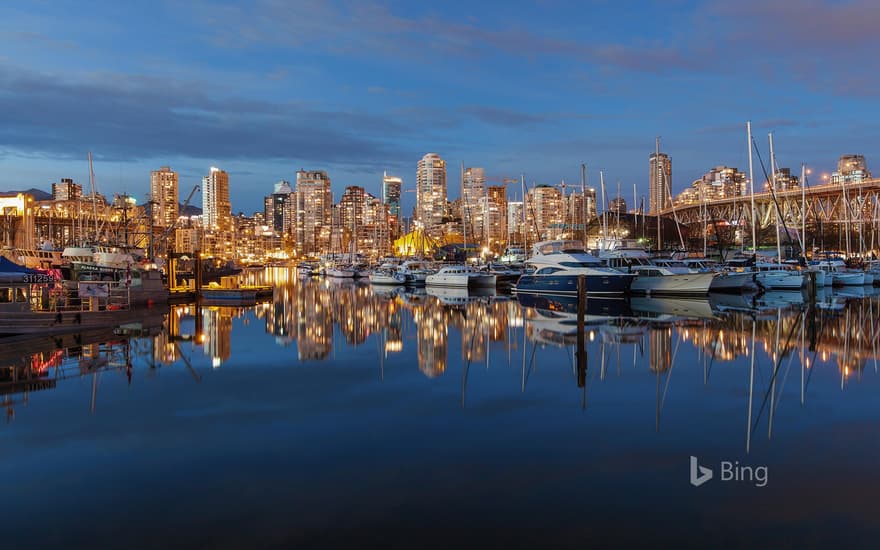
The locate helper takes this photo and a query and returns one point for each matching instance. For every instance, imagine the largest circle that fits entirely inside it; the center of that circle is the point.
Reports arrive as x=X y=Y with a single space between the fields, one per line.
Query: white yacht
x=778 y=276
x=513 y=255
x=839 y=273
x=558 y=265
x=669 y=277
x=726 y=280
x=461 y=276
x=387 y=275
x=416 y=271
x=341 y=272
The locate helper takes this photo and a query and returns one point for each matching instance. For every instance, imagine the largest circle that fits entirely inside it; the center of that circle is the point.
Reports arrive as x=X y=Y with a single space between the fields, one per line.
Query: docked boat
x=461 y=276
x=840 y=275
x=505 y=274
x=513 y=255
x=415 y=271
x=772 y=276
x=387 y=275
x=32 y=302
x=341 y=272
x=661 y=277
x=726 y=280
x=558 y=265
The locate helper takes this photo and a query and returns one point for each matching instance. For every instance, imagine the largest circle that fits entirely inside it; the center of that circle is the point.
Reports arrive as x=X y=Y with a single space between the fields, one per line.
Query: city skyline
x=538 y=90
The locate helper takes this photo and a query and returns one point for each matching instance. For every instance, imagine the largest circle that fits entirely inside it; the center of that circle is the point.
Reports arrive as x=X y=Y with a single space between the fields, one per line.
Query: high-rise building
x=494 y=208
x=721 y=182
x=314 y=204
x=850 y=169
x=543 y=212
x=784 y=180
x=617 y=205
x=164 y=195
x=391 y=189
x=473 y=190
x=66 y=190
x=279 y=208
x=659 y=182
x=216 y=208
x=431 y=194
x=351 y=217
x=515 y=221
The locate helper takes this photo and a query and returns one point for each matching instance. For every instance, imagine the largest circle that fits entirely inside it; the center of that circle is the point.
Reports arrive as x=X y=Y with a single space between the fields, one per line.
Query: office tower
x=659 y=182
x=473 y=191
x=391 y=189
x=314 y=204
x=279 y=208
x=216 y=208
x=431 y=194
x=164 y=196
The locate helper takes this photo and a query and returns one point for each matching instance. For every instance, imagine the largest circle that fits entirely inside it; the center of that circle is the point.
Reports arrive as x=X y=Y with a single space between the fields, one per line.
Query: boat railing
x=84 y=296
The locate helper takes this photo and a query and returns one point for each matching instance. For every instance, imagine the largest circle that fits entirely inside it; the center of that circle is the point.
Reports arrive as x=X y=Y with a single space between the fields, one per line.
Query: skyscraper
x=164 y=194
x=314 y=203
x=279 y=208
x=216 y=208
x=391 y=189
x=473 y=190
x=431 y=193
x=67 y=190
x=659 y=182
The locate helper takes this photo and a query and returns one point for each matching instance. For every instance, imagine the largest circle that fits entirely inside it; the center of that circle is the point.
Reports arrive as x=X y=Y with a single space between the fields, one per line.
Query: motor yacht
x=558 y=265
x=658 y=276
x=461 y=276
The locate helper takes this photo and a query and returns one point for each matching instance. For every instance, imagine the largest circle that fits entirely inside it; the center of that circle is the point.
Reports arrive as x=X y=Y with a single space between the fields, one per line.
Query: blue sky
x=264 y=88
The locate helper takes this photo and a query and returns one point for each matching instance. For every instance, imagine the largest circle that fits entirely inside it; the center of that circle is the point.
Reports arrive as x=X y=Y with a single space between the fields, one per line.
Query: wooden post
x=581 y=340
x=197 y=272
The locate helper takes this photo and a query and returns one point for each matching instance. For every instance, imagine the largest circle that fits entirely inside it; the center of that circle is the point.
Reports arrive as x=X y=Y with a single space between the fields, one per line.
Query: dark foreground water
x=339 y=414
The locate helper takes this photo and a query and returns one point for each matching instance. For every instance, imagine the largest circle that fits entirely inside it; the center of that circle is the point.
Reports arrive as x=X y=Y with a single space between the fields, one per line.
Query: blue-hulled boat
x=557 y=266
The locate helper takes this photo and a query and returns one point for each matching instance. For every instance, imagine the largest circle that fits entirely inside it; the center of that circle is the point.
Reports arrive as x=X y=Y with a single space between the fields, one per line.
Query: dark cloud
x=136 y=117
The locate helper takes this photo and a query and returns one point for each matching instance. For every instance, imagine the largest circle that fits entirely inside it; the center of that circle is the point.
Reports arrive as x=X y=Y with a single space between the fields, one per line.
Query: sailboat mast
x=776 y=209
x=659 y=174
x=752 y=188
x=522 y=183
x=94 y=194
x=804 y=210
x=584 y=196
x=604 y=212
x=466 y=215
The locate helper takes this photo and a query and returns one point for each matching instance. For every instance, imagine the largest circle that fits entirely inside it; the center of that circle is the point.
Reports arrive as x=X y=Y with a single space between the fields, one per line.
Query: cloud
x=134 y=117
x=502 y=117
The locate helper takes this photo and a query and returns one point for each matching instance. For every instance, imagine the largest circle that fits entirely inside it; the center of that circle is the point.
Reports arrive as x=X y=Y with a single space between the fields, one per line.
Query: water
x=341 y=413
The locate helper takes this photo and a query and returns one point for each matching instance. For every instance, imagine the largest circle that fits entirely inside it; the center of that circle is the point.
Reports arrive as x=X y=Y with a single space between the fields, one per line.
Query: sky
x=265 y=88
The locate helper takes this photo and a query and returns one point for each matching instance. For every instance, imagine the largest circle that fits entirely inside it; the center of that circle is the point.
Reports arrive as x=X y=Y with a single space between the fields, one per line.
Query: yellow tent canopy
x=415 y=242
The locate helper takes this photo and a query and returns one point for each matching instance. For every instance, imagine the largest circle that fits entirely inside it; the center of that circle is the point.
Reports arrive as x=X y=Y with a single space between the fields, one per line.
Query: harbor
x=529 y=387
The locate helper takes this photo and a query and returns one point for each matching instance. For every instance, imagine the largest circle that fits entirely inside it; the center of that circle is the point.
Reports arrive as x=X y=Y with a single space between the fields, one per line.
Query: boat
x=559 y=264
x=661 y=276
x=513 y=255
x=415 y=271
x=668 y=309
x=840 y=275
x=772 y=276
x=341 y=272
x=387 y=275
x=505 y=274
x=456 y=296
x=33 y=302
x=726 y=280
x=461 y=276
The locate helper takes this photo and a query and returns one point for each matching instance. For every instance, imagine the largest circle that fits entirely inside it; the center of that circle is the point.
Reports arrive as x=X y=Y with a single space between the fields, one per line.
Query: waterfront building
x=494 y=208
x=515 y=221
x=431 y=194
x=617 y=205
x=851 y=169
x=164 y=196
x=351 y=219
x=391 y=190
x=66 y=190
x=544 y=212
x=784 y=180
x=216 y=208
x=279 y=208
x=720 y=182
x=473 y=190
x=659 y=182
x=314 y=203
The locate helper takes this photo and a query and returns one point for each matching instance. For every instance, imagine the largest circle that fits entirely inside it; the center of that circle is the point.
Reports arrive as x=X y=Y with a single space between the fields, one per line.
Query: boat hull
x=732 y=282
x=780 y=280
x=605 y=284
x=679 y=284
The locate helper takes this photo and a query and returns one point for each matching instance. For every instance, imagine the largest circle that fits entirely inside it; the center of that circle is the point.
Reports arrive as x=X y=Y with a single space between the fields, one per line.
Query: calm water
x=342 y=413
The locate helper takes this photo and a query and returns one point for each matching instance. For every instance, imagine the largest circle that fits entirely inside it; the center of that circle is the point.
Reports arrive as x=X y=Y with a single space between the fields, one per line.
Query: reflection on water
x=721 y=371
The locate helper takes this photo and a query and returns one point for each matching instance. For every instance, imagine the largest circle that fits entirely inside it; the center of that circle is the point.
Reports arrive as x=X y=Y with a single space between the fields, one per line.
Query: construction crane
x=163 y=237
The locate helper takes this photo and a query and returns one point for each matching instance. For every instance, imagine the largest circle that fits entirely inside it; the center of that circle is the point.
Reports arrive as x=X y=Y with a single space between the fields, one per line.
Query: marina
x=361 y=374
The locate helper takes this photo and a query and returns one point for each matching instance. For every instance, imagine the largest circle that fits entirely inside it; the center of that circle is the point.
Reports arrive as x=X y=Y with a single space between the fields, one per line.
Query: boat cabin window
x=20 y=294
x=547 y=270
x=5 y=295
x=578 y=264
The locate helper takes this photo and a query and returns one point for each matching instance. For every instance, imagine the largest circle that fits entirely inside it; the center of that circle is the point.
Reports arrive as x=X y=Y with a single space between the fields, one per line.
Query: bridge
x=833 y=203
